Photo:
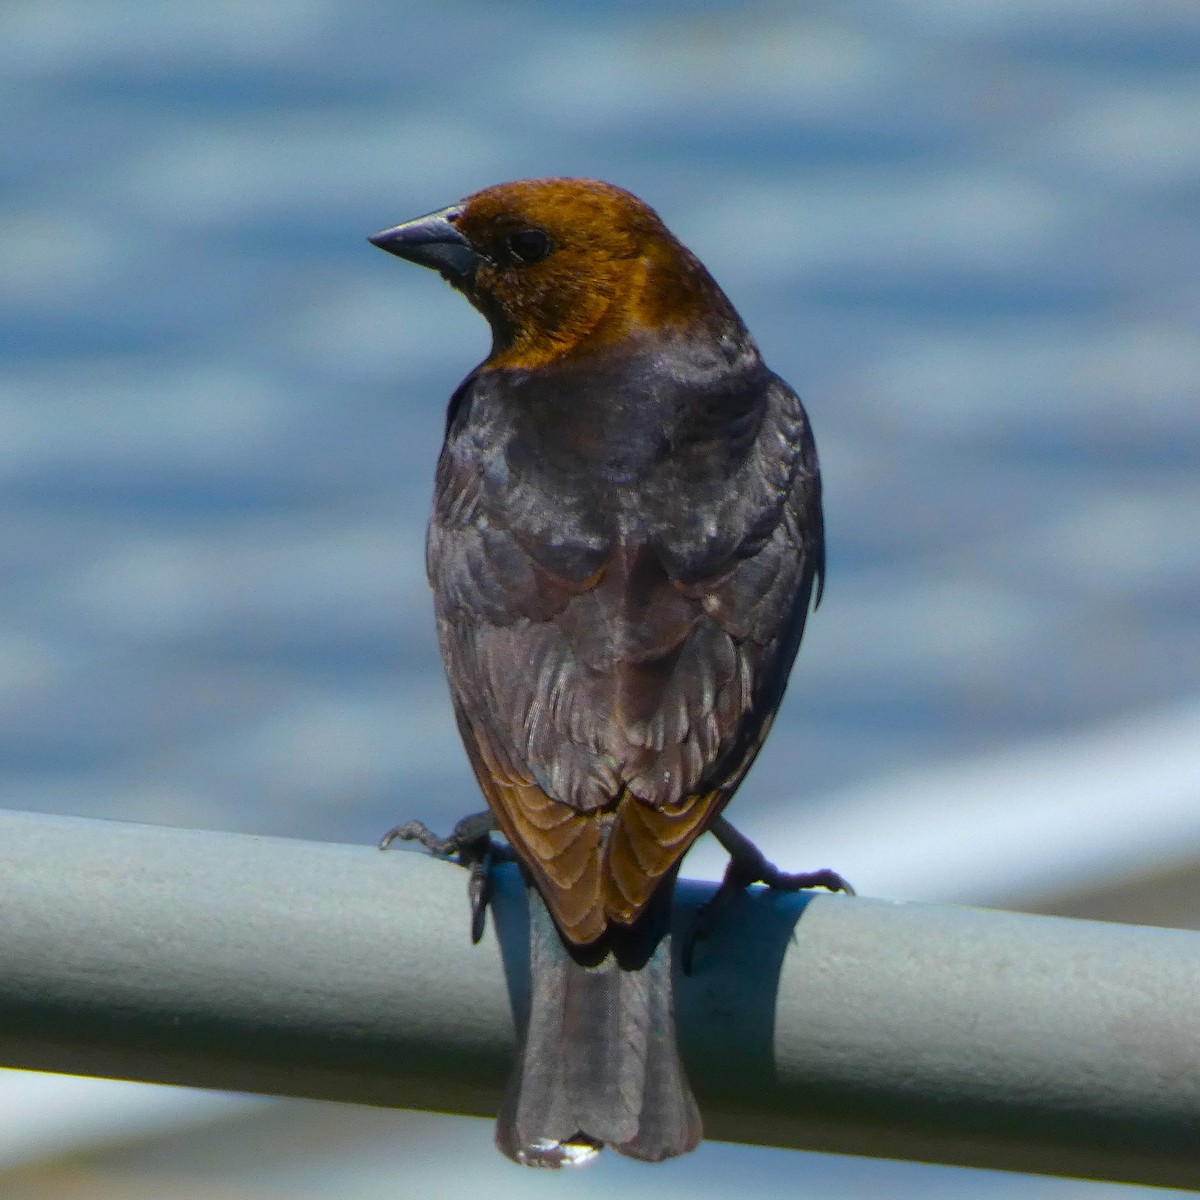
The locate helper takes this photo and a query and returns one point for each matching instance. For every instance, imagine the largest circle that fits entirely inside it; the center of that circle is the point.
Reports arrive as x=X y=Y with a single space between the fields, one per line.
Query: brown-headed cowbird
x=626 y=536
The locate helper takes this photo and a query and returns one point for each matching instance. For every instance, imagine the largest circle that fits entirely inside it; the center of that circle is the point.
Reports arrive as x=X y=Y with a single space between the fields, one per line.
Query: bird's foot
x=470 y=842
x=466 y=835
x=747 y=865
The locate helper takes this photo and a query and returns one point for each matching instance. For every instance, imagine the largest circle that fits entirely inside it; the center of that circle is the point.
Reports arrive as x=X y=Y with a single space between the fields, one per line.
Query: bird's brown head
x=561 y=265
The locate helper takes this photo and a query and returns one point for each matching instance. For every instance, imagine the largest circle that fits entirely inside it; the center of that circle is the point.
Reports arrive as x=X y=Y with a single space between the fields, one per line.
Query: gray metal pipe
x=857 y=1026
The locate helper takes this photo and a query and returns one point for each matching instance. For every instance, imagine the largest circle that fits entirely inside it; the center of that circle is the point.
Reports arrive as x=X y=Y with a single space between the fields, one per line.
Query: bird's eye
x=529 y=245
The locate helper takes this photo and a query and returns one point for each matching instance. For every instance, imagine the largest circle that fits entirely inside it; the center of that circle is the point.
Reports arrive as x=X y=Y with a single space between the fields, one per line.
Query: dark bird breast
x=623 y=551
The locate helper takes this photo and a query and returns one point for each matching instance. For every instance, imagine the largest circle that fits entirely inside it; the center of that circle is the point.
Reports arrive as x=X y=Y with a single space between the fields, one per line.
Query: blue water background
x=967 y=233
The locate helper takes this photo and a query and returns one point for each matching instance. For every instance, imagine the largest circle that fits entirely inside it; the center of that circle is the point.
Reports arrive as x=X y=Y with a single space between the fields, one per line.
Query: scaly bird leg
x=471 y=843
x=747 y=865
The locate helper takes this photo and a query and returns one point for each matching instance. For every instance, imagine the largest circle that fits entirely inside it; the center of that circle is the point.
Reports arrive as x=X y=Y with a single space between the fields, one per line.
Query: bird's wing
x=610 y=716
x=515 y=683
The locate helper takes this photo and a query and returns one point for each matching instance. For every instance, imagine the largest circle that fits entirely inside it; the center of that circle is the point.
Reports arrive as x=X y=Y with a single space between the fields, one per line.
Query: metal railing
x=831 y=1023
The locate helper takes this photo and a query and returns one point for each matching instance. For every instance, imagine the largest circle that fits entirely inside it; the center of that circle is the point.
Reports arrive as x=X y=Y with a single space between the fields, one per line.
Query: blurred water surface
x=966 y=233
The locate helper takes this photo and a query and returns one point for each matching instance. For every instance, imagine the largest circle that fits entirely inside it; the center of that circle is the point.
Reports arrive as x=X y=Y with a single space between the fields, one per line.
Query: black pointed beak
x=433 y=241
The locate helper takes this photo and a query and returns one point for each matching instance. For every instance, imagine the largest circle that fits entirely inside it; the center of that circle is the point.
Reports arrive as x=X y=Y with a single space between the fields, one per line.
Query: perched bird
x=626 y=536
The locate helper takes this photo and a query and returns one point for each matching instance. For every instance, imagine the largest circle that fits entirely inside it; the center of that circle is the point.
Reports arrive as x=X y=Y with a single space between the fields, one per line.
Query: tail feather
x=599 y=1064
x=669 y=1122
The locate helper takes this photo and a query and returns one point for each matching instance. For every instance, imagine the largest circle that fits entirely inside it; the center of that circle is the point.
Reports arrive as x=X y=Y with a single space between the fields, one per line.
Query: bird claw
x=748 y=865
x=479 y=891
x=416 y=831
x=471 y=843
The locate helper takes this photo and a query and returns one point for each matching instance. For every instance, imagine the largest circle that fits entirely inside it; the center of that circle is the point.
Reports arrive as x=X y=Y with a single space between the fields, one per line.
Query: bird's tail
x=599 y=1064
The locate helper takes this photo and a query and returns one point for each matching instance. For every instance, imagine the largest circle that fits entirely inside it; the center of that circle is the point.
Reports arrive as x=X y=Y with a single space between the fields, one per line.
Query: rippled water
x=967 y=233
